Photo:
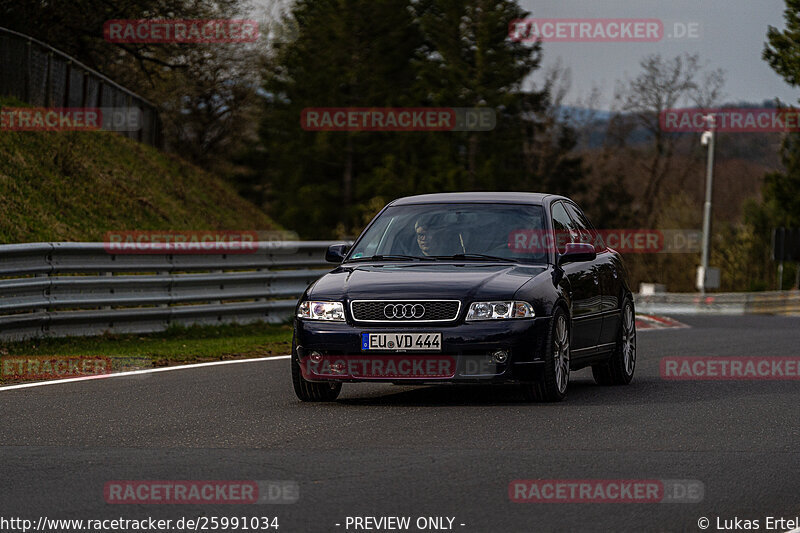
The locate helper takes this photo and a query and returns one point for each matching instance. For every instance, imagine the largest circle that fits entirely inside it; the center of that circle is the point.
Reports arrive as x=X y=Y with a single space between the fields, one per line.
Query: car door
x=608 y=276
x=584 y=287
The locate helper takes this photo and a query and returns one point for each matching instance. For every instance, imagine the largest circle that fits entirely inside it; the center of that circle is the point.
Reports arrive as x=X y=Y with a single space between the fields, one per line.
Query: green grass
x=76 y=186
x=177 y=345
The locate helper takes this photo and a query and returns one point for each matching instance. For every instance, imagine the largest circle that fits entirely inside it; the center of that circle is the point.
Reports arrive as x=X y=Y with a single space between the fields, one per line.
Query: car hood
x=472 y=281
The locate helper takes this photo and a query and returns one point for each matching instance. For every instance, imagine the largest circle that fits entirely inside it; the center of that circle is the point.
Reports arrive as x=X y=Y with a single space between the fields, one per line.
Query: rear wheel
x=620 y=366
x=552 y=385
x=309 y=391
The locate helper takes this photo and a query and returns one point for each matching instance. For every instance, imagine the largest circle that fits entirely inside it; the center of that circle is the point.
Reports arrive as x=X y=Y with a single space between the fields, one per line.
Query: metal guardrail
x=61 y=289
x=40 y=75
x=730 y=303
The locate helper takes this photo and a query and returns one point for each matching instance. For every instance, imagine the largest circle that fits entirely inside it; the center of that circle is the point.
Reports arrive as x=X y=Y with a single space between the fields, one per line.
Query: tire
x=308 y=391
x=553 y=383
x=622 y=363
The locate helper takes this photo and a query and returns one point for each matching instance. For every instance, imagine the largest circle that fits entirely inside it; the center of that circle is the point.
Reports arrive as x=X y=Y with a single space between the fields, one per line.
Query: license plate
x=411 y=342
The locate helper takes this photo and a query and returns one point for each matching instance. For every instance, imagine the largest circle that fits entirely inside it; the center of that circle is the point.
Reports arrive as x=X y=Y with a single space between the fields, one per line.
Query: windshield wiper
x=476 y=257
x=393 y=257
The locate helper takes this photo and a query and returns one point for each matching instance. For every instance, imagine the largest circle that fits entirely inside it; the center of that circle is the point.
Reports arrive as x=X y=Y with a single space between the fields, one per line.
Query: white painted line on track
x=144 y=371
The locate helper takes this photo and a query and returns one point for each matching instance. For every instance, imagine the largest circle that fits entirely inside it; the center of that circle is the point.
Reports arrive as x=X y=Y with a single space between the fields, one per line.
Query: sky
x=730 y=36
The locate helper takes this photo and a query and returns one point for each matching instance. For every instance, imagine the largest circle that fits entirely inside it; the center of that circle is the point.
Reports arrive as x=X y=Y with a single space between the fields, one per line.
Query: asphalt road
x=433 y=451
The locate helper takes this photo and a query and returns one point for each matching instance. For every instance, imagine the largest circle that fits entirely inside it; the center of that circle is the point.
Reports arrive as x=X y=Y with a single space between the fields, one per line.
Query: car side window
x=563 y=227
x=587 y=232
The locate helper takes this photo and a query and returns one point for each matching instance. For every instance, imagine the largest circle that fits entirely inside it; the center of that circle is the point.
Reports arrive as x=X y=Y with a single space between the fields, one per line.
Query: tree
x=416 y=53
x=347 y=53
x=782 y=189
x=663 y=84
x=551 y=163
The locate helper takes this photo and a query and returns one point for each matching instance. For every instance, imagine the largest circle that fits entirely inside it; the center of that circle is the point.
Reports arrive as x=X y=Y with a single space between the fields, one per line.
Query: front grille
x=405 y=310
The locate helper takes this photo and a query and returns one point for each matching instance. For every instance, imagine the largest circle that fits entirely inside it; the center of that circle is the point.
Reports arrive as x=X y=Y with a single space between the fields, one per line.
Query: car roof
x=477 y=197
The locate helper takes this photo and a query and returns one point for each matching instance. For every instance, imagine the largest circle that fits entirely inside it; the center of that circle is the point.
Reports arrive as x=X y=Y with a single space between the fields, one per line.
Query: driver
x=433 y=238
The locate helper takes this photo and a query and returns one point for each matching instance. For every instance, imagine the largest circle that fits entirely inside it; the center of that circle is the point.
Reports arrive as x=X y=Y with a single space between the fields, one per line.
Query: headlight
x=499 y=310
x=321 y=311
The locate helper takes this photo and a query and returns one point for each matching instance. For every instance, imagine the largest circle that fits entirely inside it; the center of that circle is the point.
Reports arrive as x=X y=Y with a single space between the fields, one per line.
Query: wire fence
x=42 y=76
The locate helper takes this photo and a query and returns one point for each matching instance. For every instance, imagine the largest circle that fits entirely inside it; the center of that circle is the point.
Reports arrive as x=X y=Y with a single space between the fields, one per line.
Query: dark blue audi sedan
x=514 y=288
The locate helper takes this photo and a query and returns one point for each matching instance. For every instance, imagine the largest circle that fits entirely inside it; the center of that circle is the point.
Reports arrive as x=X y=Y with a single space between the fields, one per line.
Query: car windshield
x=479 y=232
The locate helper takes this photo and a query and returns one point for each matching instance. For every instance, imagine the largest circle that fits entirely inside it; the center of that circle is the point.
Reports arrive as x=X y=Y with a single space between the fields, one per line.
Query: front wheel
x=620 y=366
x=308 y=391
x=552 y=385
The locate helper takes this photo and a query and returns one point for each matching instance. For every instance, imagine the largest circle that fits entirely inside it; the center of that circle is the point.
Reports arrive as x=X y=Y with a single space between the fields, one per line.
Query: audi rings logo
x=404 y=311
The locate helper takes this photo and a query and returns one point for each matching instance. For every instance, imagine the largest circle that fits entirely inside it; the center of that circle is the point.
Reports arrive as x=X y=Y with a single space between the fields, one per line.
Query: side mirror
x=577 y=252
x=336 y=253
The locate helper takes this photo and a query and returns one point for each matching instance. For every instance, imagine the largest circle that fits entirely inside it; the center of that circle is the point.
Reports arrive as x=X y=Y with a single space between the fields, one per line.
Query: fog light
x=500 y=356
x=316 y=357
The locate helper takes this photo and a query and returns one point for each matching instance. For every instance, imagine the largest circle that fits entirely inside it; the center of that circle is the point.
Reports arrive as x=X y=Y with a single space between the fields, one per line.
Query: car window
x=564 y=228
x=440 y=231
x=587 y=232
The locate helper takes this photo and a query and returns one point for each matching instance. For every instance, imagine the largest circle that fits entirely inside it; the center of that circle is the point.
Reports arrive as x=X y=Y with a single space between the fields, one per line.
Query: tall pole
x=707 y=204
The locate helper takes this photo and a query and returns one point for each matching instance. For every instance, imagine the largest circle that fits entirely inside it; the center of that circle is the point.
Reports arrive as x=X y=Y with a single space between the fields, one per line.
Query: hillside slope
x=75 y=186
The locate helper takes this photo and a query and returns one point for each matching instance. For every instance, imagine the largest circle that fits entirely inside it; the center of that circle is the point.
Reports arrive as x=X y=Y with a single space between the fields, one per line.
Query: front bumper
x=466 y=355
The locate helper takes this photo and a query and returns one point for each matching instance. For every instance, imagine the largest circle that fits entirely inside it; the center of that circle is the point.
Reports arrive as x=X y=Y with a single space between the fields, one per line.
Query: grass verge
x=175 y=346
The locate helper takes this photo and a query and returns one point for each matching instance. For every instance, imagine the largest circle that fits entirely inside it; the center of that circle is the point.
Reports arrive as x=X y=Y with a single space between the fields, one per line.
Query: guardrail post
x=46 y=293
